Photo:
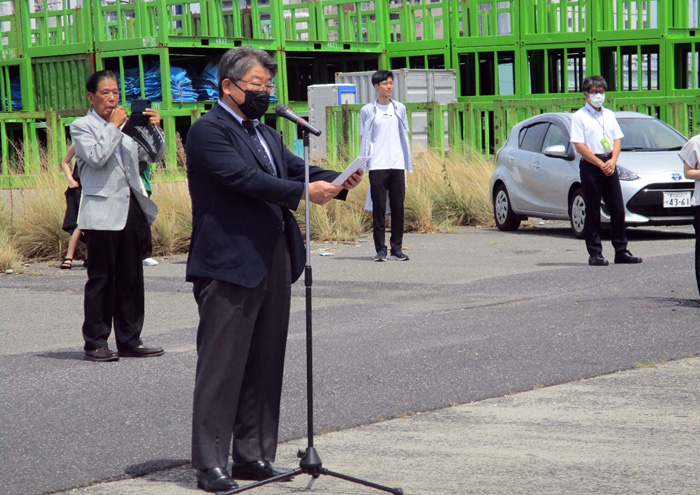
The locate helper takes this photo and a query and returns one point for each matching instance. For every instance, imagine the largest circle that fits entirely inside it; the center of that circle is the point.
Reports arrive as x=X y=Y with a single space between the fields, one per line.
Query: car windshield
x=649 y=135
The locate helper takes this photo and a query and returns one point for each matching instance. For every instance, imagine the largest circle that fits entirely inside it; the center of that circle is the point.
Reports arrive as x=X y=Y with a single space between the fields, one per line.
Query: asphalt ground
x=489 y=363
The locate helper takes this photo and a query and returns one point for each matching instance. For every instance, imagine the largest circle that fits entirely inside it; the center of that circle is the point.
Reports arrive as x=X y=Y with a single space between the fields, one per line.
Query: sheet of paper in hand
x=356 y=164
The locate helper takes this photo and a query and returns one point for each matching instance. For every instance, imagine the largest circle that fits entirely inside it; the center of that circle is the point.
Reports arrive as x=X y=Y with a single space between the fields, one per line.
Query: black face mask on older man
x=256 y=103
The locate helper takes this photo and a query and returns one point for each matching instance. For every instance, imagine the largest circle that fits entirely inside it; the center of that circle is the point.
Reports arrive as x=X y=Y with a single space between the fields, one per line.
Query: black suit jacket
x=239 y=211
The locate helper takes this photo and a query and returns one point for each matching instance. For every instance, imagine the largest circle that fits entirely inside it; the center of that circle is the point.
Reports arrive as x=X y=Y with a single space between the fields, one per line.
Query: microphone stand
x=310 y=462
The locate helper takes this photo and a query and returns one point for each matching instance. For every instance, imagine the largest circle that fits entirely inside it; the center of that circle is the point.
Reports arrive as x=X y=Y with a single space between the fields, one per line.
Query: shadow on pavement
x=148 y=467
x=633 y=233
x=78 y=355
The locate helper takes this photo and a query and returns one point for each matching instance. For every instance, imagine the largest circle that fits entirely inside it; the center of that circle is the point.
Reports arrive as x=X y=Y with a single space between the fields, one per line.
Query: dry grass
x=10 y=257
x=173 y=225
x=441 y=195
x=38 y=221
x=454 y=189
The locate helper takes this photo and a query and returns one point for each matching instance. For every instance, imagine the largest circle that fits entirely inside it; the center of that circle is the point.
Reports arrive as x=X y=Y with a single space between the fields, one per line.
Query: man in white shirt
x=596 y=135
x=384 y=138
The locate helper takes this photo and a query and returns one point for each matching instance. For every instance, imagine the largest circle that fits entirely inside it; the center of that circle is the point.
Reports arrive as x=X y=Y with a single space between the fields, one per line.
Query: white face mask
x=597 y=99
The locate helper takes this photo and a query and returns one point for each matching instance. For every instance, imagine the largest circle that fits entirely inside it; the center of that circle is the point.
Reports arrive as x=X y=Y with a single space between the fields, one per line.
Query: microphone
x=286 y=113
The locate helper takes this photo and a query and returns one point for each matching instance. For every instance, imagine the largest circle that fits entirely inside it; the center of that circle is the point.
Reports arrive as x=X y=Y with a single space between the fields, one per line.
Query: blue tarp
x=186 y=85
x=205 y=84
x=180 y=85
x=15 y=93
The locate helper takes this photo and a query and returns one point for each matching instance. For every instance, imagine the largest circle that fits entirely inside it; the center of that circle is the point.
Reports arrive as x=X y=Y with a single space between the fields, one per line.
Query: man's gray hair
x=237 y=62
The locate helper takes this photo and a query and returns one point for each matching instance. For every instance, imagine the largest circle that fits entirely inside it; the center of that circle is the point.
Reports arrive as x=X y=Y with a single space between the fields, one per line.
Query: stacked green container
x=513 y=58
x=48 y=46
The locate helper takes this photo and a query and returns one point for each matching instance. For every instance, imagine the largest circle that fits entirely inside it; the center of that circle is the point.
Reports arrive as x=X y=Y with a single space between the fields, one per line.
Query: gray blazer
x=108 y=162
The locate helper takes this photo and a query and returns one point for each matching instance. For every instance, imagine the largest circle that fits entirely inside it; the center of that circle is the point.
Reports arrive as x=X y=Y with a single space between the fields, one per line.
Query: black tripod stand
x=310 y=461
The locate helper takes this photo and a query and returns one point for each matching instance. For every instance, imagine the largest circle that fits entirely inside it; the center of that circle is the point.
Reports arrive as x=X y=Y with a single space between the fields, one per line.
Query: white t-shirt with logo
x=386 y=151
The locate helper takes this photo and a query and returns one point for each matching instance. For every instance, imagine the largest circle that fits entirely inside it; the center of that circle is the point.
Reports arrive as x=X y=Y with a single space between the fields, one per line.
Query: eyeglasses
x=271 y=89
x=597 y=92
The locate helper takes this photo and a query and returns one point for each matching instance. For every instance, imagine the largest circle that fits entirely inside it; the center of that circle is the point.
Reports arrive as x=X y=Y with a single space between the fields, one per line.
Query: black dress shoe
x=101 y=355
x=626 y=257
x=257 y=471
x=141 y=351
x=215 y=480
x=597 y=260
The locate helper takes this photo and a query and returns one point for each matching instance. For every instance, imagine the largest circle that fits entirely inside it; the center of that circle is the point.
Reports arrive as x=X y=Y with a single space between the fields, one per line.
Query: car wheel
x=577 y=213
x=505 y=217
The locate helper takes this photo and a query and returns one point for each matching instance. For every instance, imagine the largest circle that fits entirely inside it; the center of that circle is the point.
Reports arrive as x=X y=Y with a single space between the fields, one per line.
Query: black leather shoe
x=626 y=257
x=257 y=471
x=101 y=355
x=597 y=260
x=215 y=480
x=141 y=351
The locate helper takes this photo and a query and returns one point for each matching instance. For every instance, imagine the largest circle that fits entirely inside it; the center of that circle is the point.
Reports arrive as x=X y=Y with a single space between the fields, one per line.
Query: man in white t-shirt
x=690 y=154
x=384 y=138
x=596 y=135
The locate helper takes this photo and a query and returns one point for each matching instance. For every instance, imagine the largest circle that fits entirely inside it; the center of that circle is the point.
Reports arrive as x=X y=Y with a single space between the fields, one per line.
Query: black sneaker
x=381 y=256
x=398 y=256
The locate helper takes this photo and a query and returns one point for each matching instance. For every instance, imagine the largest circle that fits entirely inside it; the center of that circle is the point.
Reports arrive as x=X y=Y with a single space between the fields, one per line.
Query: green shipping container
x=59 y=82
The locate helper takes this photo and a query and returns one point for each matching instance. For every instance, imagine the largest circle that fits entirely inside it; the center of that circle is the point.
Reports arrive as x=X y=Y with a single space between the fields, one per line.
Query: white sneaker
x=149 y=262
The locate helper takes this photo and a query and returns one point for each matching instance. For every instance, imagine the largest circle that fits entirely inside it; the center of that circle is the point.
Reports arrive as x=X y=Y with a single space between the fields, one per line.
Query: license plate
x=680 y=199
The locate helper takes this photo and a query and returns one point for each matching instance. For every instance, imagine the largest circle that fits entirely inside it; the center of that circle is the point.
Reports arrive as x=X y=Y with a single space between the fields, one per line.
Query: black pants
x=381 y=182
x=241 y=342
x=696 y=224
x=147 y=248
x=114 y=290
x=597 y=185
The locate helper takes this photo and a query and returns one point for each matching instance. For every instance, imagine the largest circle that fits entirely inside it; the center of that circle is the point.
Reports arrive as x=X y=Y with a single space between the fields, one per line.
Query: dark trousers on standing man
x=597 y=185
x=241 y=342
x=114 y=290
x=381 y=182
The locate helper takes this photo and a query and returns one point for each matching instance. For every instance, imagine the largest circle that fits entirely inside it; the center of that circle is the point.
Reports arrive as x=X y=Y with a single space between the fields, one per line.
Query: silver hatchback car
x=537 y=174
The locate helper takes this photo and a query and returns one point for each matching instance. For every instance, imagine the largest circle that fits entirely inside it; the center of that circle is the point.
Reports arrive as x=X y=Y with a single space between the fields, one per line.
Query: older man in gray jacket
x=114 y=215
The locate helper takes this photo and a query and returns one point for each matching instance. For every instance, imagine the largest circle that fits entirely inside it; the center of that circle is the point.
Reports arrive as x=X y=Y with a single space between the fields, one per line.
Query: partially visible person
x=149 y=137
x=148 y=240
x=384 y=138
x=114 y=214
x=70 y=219
x=596 y=135
x=690 y=154
x=246 y=250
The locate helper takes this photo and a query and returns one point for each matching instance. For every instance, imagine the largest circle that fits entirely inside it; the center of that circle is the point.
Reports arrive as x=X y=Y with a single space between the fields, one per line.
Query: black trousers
x=114 y=290
x=147 y=248
x=696 y=224
x=597 y=185
x=381 y=182
x=241 y=343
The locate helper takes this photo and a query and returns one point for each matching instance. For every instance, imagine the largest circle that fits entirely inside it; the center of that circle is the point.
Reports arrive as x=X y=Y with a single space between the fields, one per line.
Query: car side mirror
x=558 y=151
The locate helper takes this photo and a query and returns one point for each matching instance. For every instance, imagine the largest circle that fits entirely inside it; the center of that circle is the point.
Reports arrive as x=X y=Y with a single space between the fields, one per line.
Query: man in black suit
x=246 y=251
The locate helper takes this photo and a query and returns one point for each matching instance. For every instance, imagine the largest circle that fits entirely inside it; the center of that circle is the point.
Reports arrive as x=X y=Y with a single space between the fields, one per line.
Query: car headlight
x=626 y=174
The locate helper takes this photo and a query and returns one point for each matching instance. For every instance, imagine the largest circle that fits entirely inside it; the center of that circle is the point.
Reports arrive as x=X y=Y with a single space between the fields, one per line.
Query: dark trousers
x=597 y=185
x=381 y=182
x=696 y=224
x=147 y=248
x=241 y=342
x=114 y=289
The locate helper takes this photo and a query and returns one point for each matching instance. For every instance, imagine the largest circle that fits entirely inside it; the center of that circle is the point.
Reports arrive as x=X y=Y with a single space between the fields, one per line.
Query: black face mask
x=256 y=103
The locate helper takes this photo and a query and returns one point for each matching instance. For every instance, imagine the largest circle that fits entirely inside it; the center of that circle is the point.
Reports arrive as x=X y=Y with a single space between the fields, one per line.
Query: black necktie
x=262 y=154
